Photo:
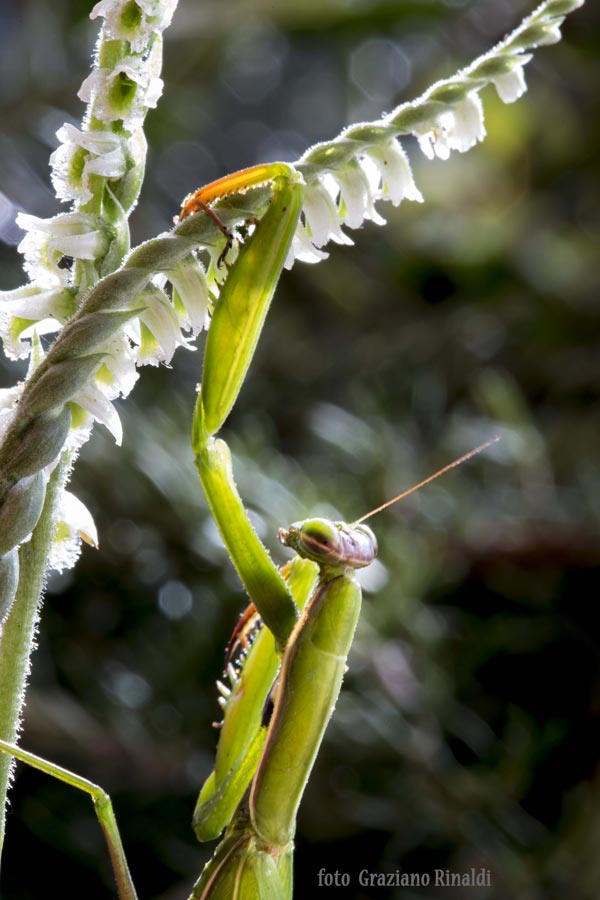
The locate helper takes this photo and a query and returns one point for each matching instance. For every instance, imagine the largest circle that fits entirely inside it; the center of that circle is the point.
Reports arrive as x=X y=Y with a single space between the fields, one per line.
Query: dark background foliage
x=467 y=733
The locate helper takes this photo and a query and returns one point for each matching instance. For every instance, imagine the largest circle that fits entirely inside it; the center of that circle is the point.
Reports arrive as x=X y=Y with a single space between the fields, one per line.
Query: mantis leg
x=232 y=337
x=244 y=728
x=232 y=184
x=234 y=331
x=242 y=308
x=258 y=573
x=310 y=681
x=102 y=806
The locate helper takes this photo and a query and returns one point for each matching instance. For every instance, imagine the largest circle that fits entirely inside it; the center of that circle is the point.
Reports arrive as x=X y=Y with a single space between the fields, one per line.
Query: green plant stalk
x=18 y=635
x=102 y=805
x=48 y=422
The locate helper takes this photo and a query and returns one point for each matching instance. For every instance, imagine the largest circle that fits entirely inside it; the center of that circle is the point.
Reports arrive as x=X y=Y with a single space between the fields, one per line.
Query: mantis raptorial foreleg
x=243 y=730
x=235 y=328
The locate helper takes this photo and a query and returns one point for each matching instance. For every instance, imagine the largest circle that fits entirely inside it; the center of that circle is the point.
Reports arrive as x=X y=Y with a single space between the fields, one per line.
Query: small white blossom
x=512 y=85
x=303 y=249
x=354 y=195
x=46 y=308
x=552 y=33
x=118 y=374
x=95 y=401
x=33 y=302
x=396 y=175
x=75 y=234
x=467 y=127
x=159 y=333
x=321 y=216
x=115 y=378
x=81 y=155
x=134 y=22
x=74 y=523
x=191 y=299
x=373 y=178
x=122 y=93
x=434 y=142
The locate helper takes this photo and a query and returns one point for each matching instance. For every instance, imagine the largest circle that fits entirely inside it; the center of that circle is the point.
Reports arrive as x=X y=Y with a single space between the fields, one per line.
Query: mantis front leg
x=233 y=334
x=234 y=331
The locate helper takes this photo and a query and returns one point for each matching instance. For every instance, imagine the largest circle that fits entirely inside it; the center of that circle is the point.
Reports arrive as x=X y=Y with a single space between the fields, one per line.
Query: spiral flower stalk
x=99 y=169
x=366 y=163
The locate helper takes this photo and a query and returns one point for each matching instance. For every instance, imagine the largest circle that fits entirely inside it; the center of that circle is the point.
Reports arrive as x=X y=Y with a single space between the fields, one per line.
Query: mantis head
x=329 y=543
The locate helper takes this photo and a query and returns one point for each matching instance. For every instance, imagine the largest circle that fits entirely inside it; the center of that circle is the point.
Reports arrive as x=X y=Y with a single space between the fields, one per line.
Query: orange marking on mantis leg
x=223 y=187
x=248 y=620
x=230 y=184
x=240 y=636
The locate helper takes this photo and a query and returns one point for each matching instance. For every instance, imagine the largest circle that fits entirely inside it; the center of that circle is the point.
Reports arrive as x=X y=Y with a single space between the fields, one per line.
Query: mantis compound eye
x=331 y=543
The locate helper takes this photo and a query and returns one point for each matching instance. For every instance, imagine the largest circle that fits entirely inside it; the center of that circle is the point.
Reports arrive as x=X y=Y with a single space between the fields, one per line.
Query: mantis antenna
x=435 y=475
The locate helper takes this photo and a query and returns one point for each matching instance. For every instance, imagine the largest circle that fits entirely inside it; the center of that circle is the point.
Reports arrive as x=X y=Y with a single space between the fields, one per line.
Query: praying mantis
x=284 y=689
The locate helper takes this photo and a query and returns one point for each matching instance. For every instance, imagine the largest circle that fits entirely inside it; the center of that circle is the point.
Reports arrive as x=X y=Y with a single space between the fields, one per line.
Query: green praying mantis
x=284 y=687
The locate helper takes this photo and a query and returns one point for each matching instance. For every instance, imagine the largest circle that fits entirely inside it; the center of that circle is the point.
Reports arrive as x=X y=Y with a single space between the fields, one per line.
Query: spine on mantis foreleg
x=243 y=730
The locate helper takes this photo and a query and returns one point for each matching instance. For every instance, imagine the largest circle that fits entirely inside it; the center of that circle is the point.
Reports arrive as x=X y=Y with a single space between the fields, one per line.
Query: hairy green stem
x=18 y=634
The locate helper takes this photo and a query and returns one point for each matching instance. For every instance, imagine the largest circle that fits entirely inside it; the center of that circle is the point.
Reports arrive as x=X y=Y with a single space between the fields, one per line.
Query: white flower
x=434 y=142
x=114 y=378
x=45 y=308
x=159 y=333
x=397 y=180
x=467 y=127
x=78 y=235
x=95 y=401
x=552 y=33
x=511 y=85
x=354 y=191
x=134 y=22
x=118 y=374
x=356 y=195
x=124 y=92
x=190 y=297
x=347 y=196
x=34 y=303
x=303 y=249
x=321 y=216
x=459 y=129
x=74 y=523
x=374 y=181
x=81 y=155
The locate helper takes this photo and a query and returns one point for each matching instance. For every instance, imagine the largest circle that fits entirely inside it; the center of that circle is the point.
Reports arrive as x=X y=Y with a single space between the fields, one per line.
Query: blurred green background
x=468 y=730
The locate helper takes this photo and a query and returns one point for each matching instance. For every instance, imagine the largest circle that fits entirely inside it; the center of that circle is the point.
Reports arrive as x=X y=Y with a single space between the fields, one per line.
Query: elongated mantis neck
x=442 y=471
